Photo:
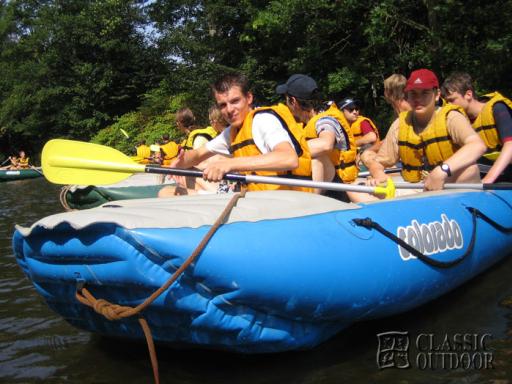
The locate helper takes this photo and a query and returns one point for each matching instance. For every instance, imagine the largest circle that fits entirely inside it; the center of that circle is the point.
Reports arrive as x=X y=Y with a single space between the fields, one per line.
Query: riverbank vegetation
x=85 y=69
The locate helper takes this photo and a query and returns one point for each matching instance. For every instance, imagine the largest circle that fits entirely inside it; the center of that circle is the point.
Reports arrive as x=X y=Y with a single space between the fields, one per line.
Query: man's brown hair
x=229 y=80
x=459 y=82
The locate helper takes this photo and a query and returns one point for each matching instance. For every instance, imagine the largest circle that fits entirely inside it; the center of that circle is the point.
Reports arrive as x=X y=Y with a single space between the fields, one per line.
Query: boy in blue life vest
x=490 y=116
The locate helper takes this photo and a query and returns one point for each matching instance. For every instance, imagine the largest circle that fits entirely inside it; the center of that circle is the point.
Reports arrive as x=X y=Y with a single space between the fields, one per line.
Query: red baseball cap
x=421 y=79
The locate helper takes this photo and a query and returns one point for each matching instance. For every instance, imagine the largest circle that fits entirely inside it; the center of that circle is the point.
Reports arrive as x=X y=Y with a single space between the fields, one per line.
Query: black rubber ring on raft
x=369 y=224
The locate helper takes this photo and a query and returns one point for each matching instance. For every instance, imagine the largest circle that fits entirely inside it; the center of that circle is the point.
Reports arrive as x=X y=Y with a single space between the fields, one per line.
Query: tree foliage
x=70 y=67
x=81 y=68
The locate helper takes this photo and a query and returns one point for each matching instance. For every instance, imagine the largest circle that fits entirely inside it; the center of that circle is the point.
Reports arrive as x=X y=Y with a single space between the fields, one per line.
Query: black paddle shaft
x=507 y=186
x=189 y=172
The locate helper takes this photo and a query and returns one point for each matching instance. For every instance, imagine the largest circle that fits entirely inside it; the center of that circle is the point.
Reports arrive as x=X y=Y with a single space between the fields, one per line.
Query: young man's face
x=458 y=99
x=298 y=113
x=351 y=113
x=234 y=105
x=423 y=101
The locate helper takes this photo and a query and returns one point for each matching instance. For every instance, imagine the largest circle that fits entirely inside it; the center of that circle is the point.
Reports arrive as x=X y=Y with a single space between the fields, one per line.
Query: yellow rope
x=117 y=312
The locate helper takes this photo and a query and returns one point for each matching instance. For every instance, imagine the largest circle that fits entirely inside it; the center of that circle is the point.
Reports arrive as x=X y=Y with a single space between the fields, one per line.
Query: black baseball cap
x=301 y=86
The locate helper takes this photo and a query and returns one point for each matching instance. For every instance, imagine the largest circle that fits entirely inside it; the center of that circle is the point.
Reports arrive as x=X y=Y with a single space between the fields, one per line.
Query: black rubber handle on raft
x=497 y=186
x=189 y=172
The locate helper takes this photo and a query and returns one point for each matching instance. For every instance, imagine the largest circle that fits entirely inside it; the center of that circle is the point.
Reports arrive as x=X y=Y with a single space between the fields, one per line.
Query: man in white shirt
x=263 y=141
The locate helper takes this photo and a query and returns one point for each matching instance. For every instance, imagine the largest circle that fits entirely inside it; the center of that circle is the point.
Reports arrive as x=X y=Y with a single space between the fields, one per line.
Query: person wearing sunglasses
x=332 y=145
x=364 y=129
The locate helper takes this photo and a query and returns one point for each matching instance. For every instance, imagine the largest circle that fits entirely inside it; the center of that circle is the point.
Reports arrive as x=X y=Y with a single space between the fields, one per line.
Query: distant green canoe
x=138 y=186
x=19 y=174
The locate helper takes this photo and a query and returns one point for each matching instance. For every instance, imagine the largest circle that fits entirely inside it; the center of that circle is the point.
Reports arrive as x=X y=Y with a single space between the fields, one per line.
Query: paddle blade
x=76 y=162
x=124 y=133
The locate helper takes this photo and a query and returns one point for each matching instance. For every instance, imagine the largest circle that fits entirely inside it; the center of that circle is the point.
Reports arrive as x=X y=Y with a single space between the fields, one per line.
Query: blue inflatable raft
x=287 y=270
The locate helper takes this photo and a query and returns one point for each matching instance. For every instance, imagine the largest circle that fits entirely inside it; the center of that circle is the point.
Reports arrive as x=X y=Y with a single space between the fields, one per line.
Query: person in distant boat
x=435 y=144
x=13 y=163
x=264 y=141
x=330 y=141
x=364 y=129
x=23 y=160
x=196 y=137
x=490 y=116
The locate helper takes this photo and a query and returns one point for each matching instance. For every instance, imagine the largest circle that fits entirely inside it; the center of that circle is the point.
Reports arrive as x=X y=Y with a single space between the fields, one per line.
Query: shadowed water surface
x=37 y=346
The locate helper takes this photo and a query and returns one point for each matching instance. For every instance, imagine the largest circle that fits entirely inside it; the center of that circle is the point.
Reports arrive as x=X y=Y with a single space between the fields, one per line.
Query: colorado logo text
x=431 y=238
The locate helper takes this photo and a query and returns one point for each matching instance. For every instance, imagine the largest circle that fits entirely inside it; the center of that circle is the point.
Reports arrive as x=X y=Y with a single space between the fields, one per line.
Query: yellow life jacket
x=424 y=151
x=242 y=145
x=344 y=161
x=143 y=154
x=356 y=127
x=23 y=163
x=208 y=132
x=485 y=124
x=171 y=150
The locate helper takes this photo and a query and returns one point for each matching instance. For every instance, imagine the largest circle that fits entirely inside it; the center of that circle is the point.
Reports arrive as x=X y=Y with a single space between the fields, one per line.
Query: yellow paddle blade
x=124 y=133
x=77 y=162
x=492 y=155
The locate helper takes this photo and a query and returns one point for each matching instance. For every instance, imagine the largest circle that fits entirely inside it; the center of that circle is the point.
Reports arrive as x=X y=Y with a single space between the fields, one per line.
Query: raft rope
x=117 y=312
x=369 y=224
x=62 y=197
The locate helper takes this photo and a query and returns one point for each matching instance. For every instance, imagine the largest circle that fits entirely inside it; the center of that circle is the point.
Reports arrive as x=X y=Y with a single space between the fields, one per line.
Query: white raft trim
x=198 y=210
x=195 y=211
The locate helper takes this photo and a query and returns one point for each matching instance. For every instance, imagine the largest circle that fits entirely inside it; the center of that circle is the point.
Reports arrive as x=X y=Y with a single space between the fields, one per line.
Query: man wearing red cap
x=434 y=144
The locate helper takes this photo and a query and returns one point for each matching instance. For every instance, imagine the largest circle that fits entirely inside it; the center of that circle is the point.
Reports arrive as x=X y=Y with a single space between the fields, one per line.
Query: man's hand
x=435 y=179
x=216 y=170
x=378 y=178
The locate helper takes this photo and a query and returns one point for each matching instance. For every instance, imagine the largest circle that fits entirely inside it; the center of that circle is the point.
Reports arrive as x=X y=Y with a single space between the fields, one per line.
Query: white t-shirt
x=267 y=132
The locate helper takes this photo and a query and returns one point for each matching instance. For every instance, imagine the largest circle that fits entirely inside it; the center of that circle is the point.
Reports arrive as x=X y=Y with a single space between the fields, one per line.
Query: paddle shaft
x=478 y=186
x=264 y=180
x=38 y=170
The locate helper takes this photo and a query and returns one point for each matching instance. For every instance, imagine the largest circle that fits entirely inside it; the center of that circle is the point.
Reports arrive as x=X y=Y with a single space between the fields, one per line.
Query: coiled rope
x=62 y=197
x=117 y=312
